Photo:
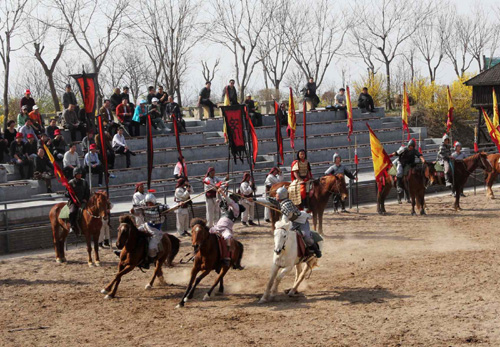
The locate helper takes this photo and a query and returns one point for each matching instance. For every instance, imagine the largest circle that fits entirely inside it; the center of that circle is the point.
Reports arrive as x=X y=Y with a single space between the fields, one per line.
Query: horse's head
x=430 y=173
x=100 y=203
x=484 y=163
x=281 y=231
x=199 y=233
x=335 y=184
x=125 y=228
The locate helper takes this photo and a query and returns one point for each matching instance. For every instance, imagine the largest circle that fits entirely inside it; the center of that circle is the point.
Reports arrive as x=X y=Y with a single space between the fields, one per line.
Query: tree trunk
x=179 y=97
x=53 y=93
x=388 y=85
x=6 y=93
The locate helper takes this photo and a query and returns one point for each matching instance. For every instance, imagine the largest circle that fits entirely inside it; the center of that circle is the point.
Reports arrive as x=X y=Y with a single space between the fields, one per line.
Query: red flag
x=349 y=113
x=253 y=135
x=279 y=137
x=104 y=148
x=178 y=143
x=60 y=176
x=292 y=120
x=149 y=150
x=405 y=111
x=476 y=147
x=449 y=120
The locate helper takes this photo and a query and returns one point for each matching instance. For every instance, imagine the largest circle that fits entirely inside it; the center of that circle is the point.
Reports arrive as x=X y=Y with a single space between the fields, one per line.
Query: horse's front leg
x=223 y=272
x=117 y=280
x=198 y=280
x=280 y=276
x=194 y=272
x=274 y=273
x=89 y=249
x=96 y=250
x=315 y=218
x=320 y=219
x=457 y=201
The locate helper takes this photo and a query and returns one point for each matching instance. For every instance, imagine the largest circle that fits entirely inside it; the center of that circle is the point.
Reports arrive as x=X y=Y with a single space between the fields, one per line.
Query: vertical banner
x=104 y=153
x=87 y=83
x=253 y=142
x=405 y=111
x=349 y=113
x=279 y=137
x=233 y=119
x=476 y=147
x=496 y=120
x=150 y=152
x=304 y=125
x=292 y=120
x=494 y=132
x=449 y=119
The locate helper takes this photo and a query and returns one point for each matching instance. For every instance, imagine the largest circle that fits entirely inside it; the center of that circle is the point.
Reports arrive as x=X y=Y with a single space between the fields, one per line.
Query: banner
x=496 y=122
x=349 y=113
x=233 y=121
x=253 y=137
x=292 y=120
x=279 y=137
x=104 y=153
x=381 y=161
x=494 y=132
x=226 y=103
x=405 y=111
x=87 y=83
x=149 y=150
x=60 y=176
x=449 y=120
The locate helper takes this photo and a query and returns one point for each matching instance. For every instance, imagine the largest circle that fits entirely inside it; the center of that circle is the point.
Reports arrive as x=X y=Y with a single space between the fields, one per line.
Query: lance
x=260 y=203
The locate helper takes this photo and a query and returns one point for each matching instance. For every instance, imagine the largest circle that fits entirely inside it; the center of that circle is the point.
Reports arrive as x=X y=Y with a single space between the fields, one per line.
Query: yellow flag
x=405 y=110
x=492 y=130
x=381 y=161
x=496 y=121
x=226 y=103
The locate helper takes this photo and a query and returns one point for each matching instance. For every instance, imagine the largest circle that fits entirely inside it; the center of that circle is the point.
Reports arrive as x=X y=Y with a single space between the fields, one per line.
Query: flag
x=356 y=159
x=178 y=142
x=381 y=161
x=304 y=124
x=496 y=120
x=494 y=132
x=60 y=176
x=449 y=120
x=292 y=120
x=233 y=118
x=149 y=149
x=349 y=113
x=279 y=137
x=104 y=153
x=226 y=103
x=476 y=147
x=253 y=136
x=405 y=111
x=87 y=83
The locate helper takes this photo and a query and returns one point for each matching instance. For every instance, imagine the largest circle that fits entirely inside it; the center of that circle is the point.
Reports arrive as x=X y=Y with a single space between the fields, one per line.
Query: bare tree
x=238 y=25
x=409 y=57
x=481 y=36
x=137 y=72
x=209 y=72
x=11 y=13
x=386 y=25
x=457 y=45
x=365 y=51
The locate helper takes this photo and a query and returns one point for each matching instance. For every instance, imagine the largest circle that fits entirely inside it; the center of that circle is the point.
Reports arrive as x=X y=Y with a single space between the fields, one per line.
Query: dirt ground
x=383 y=281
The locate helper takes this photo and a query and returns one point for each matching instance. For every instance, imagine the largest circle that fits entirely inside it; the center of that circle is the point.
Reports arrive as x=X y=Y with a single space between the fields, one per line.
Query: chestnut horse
x=491 y=177
x=322 y=188
x=383 y=192
x=417 y=180
x=134 y=245
x=90 y=225
x=207 y=258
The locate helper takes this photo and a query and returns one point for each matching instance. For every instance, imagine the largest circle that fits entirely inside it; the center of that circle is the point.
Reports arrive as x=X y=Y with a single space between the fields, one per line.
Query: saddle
x=64 y=213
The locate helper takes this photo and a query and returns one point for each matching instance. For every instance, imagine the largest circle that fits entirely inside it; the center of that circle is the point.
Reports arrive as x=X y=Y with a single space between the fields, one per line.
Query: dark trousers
x=3 y=150
x=110 y=154
x=73 y=215
x=210 y=104
x=24 y=165
x=121 y=150
x=112 y=128
x=135 y=128
x=73 y=129
x=95 y=170
x=368 y=105
x=129 y=125
x=256 y=119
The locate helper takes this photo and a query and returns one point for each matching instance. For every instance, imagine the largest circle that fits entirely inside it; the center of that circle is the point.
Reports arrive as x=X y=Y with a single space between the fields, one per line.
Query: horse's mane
x=92 y=200
x=198 y=221
x=128 y=219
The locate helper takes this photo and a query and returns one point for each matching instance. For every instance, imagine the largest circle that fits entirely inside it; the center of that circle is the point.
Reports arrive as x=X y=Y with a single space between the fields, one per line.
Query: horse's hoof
x=108 y=297
x=423 y=213
x=97 y=263
x=262 y=300
x=104 y=291
x=161 y=281
x=291 y=293
x=206 y=297
x=63 y=260
x=148 y=287
x=91 y=264
x=179 y=306
x=413 y=214
x=59 y=261
x=185 y=300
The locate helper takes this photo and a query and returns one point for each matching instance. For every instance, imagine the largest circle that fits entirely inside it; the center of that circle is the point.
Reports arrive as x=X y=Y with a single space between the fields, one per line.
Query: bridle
x=278 y=251
x=335 y=186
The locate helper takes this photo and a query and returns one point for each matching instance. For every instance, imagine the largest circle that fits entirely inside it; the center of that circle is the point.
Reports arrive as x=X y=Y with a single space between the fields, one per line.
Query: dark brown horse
x=207 y=258
x=322 y=189
x=491 y=177
x=90 y=225
x=134 y=245
x=417 y=181
x=463 y=169
x=383 y=192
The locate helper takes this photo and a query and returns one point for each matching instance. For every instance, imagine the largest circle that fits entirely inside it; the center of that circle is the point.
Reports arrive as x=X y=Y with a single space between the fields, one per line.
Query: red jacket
x=120 y=112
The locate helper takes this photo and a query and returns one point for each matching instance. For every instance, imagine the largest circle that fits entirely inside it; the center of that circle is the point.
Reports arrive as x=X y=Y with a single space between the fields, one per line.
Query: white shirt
x=210 y=182
x=137 y=198
x=182 y=194
x=71 y=159
x=119 y=140
x=273 y=179
x=246 y=188
x=178 y=169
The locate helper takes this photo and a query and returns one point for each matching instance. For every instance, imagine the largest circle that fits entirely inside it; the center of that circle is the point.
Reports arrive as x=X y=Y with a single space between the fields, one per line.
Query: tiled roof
x=490 y=77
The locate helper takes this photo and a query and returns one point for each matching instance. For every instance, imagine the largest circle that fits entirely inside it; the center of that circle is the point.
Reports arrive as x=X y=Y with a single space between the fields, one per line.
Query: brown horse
x=491 y=177
x=207 y=258
x=417 y=180
x=134 y=245
x=383 y=192
x=90 y=225
x=463 y=169
x=322 y=189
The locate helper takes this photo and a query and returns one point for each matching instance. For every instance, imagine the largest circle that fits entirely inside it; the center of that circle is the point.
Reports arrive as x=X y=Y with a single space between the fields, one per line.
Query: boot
x=315 y=248
x=117 y=253
x=106 y=243
x=250 y=222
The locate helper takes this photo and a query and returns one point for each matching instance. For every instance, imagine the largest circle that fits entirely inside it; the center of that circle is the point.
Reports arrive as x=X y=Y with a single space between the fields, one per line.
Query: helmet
x=155 y=100
x=282 y=193
x=335 y=156
x=445 y=137
x=150 y=198
x=457 y=144
x=411 y=143
x=77 y=171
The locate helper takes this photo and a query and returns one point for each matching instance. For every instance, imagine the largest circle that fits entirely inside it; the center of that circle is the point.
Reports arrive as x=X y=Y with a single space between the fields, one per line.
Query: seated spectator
x=73 y=122
x=4 y=146
x=141 y=111
x=44 y=170
x=124 y=115
x=151 y=94
x=340 y=100
x=107 y=116
x=231 y=92
x=126 y=95
x=365 y=102
x=71 y=161
x=120 y=146
x=174 y=109
x=162 y=97
x=109 y=149
x=91 y=162
x=22 y=116
x=252 y=112
x=69 y=98
x=51 y=128
x=284 y=114
x=310 y=93
x=36 y=120
x=10 y=132
x=204 y=99
x=115 y=99
x=58 y=145
x=44 y=139
x=87 y=141
x=27 y=101
x=156 y=121
x=31 y=147
x=180 y=170
x=27 y=129
x=19 y=158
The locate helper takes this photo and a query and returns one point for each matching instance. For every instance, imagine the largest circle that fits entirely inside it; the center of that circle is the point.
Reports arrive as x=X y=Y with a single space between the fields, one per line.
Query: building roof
x=490 y=77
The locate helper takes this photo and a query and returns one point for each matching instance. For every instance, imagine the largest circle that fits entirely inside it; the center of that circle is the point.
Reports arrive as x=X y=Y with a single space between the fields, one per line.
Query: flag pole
x=304 y=126
x=475 y=151
x=250 y=158
x=356 y=162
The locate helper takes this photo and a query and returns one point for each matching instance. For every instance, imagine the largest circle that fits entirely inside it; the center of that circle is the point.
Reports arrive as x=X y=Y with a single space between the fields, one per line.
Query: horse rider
x=298 y=218
x=210 y=181
x=339 y=168
x=406 y=157
x=443 y=157
x=82 y=193
x=274 y=176
x=247 y=189
x=151 y=212
x=301 y=173
x=458 y=155
x=230 y=210
x=181 y=196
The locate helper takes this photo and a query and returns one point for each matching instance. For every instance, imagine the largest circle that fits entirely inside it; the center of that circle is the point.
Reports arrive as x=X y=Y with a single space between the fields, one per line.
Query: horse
x=90 y=225
x=463 y=169
x=321 y=189
x=382 y=193
x=134 y=245
x=491 y=177
x=207 y=258
x=417 y=180
x=284 y=258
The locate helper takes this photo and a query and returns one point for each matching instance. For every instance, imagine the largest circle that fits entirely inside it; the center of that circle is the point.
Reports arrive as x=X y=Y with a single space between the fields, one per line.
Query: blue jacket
x=138 y=113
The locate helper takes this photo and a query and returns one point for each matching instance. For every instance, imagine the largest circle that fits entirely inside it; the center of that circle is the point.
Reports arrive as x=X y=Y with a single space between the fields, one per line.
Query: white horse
x=285 y=257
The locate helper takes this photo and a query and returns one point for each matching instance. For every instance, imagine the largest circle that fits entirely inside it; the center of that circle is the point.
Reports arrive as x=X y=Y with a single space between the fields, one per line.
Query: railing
x=5 y=211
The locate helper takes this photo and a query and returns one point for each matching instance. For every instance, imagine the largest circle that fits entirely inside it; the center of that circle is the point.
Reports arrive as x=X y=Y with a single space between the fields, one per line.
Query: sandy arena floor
x=383 y=281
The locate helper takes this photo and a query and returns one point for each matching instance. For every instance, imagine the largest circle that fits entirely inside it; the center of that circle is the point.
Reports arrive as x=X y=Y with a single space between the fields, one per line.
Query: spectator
x=31 y=147
x=162 y=97
x=151 y=94
x=43 y=169
x=124 y=115
x=44 y=139
x=365 y=101
x=174 y=109
x=58 y=145
x=232 y=93
x=109 y=149
x=87 y=141
x=181 y=197
x=71 y=161
x=107 y=115
x=27 y=101
x=19 y=158
x=91 y=160
x=310 y=93
x=340 y=100
x=73 y=123
x=36 y=119
x=70 y=98
x=139 y=117
x=283 y=114
x=10 y=132
x=180 y=168
x=4 y=146
x=22 y=116
x=51 y=128
x=105 y=235
x=204 y=99
x=27 y=129
x=156 y=121
x=120 y=146
x=255 y=116
x=115 y=99
x=126 y=95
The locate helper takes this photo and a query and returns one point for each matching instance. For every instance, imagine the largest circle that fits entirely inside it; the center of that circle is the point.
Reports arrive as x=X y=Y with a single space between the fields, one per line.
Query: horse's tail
x=175 y=242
